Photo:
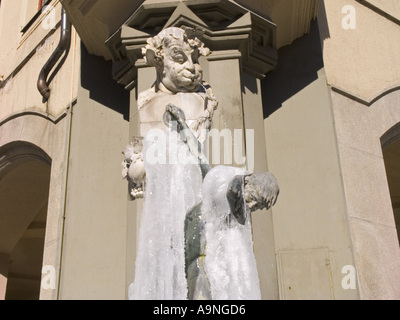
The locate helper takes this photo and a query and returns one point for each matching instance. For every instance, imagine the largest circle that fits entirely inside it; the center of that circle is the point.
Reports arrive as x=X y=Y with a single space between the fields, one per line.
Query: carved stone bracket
x=225 y=27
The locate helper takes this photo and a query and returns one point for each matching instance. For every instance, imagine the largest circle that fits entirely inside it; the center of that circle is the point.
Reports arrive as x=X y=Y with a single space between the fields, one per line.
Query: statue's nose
x=190 y=65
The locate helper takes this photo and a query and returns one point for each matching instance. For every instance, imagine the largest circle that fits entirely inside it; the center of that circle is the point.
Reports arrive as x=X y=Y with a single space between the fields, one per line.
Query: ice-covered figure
x=229 y=195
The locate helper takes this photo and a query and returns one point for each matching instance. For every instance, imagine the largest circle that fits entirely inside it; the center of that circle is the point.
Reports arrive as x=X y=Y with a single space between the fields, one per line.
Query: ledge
x=367 y=102
x=37 y=113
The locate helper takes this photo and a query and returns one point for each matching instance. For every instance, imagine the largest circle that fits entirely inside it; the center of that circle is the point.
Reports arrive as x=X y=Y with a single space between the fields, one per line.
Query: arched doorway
x=391 y=155
x=24 y=191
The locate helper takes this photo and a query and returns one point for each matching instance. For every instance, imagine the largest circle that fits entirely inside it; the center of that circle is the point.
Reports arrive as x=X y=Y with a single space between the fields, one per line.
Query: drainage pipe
x=63 y=46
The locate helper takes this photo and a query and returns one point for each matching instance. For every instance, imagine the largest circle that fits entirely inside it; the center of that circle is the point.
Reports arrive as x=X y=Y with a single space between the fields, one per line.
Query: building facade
x=311 y=87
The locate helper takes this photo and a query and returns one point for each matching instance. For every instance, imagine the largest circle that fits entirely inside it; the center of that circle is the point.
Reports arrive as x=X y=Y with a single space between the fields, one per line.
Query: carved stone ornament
x=228 y=29
x=133 y=167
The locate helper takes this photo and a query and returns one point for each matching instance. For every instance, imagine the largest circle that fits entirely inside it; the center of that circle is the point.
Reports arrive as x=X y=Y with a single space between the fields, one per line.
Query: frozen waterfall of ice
x=172 y=189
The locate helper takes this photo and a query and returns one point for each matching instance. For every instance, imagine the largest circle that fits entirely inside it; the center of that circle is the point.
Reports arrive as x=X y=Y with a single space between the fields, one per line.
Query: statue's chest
x=152 y=111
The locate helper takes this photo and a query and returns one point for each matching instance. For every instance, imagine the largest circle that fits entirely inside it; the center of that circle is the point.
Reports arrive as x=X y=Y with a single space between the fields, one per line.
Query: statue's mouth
x=192 y=77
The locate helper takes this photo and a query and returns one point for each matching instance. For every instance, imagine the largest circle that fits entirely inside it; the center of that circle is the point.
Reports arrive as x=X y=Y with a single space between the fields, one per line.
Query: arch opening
x=24 y=191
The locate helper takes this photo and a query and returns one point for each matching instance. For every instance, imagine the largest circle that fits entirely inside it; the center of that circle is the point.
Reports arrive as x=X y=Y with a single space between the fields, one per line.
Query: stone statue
x=192 y=213
x=175 y=54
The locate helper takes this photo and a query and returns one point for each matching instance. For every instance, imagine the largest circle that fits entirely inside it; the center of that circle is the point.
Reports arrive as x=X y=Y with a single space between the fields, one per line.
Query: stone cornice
x=226 y=28
x=95 y=20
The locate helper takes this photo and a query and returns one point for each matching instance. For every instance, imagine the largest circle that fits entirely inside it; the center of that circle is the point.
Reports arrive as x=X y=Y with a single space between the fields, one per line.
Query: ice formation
x=230 y=262
x=172 y=189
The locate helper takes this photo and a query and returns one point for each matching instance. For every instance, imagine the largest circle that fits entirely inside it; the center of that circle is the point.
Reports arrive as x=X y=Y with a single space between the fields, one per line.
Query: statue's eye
x=178 y=56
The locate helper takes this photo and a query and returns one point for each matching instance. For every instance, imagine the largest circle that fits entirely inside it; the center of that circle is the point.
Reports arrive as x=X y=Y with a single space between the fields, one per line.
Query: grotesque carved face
x=182 y=71
x=175 y=53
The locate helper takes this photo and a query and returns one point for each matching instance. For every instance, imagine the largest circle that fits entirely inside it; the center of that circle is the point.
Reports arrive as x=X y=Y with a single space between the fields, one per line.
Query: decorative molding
x=367 y=102
x=96 y=20
x=224 y=55
x=226 y=27
x=47 y=116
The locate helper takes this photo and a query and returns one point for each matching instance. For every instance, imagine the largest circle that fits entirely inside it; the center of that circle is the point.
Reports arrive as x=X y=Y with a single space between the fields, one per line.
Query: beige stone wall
x=363 y=69
x=262 y=221
x=94 y=246
x=370 y=214
x=390 y=7
x=24 y=116
x=96 y=209
x=86 y=223
x=363 y=62
x=21 y=59
x=323 y=144
x=311 y=233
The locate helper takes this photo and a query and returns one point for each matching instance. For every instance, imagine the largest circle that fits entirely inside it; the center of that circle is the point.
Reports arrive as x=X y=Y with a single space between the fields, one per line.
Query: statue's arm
x=173 y=113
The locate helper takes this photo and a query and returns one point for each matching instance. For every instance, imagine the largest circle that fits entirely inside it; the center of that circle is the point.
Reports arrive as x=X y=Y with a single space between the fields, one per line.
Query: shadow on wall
x=96 y=77
x=298 y=67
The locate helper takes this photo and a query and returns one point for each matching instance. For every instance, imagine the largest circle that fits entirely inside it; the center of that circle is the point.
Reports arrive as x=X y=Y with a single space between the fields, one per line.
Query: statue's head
x=261 y=190
x=175 y=53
